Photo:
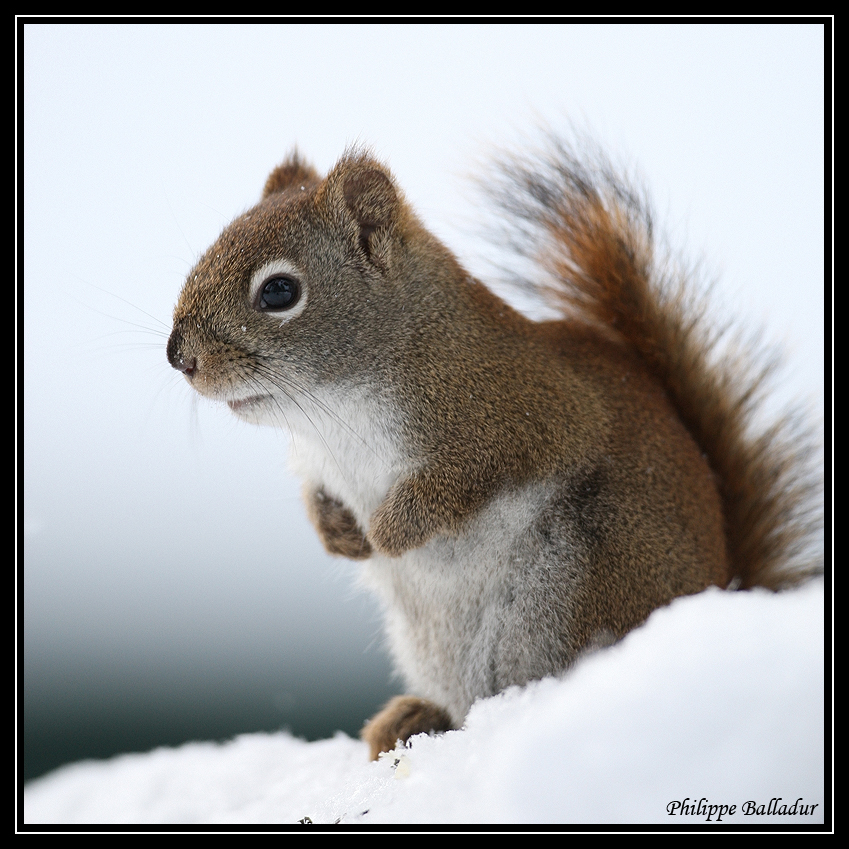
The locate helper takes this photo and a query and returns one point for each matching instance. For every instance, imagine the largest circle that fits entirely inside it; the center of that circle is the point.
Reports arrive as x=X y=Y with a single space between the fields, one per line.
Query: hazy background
x=173 y=588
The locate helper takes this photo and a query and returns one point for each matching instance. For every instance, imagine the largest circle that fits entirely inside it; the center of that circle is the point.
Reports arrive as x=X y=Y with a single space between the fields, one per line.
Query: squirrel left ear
x=293 y=172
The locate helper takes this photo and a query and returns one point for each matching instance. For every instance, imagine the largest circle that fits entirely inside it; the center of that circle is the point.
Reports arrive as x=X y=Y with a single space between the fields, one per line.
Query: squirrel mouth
x=245 y=403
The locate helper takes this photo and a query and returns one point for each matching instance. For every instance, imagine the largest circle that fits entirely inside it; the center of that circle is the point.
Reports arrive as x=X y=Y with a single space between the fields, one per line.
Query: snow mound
x=718 y=700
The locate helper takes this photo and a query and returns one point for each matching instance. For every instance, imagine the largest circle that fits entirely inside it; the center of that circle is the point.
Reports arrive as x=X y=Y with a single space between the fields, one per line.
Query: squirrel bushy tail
x=591 y=233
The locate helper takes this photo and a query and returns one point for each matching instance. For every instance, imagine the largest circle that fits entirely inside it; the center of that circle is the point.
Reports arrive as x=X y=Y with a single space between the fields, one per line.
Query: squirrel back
x=591 y=234
x=519 y=491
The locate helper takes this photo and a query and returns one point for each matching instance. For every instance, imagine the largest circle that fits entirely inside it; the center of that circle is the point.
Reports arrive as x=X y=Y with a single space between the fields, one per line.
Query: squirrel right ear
x=293 y=172
x=361 y=193
x=370 y=195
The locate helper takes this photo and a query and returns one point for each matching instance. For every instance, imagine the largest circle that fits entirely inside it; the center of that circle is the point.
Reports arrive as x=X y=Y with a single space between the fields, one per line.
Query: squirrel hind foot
x=400 y=719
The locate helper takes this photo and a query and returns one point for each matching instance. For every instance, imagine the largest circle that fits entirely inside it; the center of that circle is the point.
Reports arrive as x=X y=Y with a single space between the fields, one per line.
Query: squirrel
x=520 y=492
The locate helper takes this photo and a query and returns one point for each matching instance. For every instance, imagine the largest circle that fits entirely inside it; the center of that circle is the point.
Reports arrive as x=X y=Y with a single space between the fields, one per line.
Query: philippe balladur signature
x=703 y=807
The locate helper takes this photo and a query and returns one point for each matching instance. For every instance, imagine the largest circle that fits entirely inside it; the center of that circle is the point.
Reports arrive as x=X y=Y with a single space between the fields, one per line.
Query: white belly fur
x=456 y=609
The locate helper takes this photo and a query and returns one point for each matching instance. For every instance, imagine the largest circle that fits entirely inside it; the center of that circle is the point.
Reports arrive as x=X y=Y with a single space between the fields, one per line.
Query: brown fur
x=336 y=527
x=294 y=172
x=593 y=234
x=401 y=718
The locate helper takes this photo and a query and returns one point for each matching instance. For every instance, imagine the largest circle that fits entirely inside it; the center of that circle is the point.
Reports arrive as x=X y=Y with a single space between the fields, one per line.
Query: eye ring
x=278 y=293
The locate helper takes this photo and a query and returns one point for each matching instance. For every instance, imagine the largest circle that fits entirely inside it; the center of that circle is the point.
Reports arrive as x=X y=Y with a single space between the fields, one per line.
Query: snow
x=717 y=700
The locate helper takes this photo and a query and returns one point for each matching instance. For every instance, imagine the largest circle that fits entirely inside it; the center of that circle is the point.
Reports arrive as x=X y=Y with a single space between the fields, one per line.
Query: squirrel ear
x=293 y=172
x=371 y=196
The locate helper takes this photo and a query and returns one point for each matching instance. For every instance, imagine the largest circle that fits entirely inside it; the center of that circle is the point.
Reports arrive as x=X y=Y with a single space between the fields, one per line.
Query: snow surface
x=717 y=700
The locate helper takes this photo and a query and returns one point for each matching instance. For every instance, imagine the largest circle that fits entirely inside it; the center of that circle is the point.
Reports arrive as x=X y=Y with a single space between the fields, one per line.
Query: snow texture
x=717 y=700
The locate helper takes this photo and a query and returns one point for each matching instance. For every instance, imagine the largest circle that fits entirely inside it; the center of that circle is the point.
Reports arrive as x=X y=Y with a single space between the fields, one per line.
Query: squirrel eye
x=278 y=293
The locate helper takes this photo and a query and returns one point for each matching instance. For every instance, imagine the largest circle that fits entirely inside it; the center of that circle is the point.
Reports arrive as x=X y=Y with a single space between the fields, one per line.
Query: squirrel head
x=313 y=282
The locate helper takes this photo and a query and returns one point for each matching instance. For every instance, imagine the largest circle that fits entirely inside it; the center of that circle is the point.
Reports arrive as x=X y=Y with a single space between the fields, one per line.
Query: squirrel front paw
x=391 y=533
x=411 y=514
x=400 y=719
x=337 y=527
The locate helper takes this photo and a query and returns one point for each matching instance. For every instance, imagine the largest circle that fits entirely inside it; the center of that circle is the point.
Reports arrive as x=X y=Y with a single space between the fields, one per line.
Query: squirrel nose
x=185 y=364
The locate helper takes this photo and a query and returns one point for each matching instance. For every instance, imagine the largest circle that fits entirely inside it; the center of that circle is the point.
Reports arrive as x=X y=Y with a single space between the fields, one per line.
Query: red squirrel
x=518 y=491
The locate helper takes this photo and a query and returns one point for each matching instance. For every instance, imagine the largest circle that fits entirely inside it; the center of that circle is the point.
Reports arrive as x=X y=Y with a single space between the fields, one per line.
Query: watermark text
x=715 y=812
